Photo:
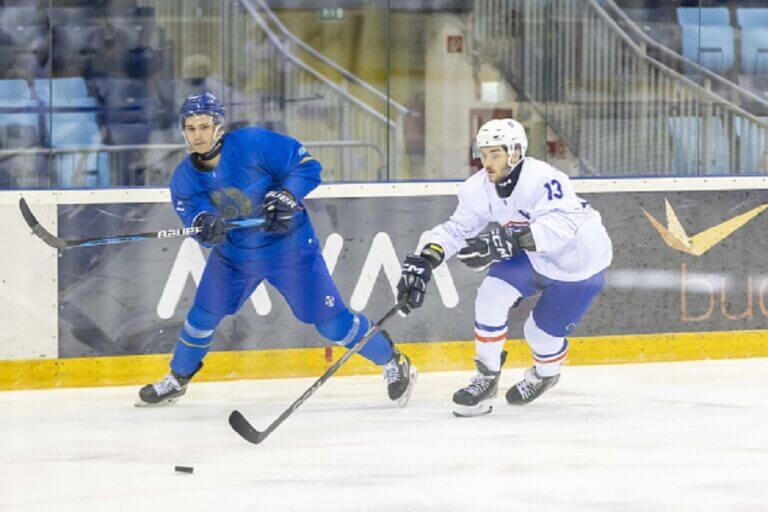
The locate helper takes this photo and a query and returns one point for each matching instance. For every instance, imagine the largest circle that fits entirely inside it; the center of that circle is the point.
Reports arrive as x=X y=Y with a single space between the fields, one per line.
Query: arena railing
x=314 y=106
x=619 y=110
x=70 y=167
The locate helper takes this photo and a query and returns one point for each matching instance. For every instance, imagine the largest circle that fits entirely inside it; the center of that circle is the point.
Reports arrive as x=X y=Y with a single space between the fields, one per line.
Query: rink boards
x=689 y=281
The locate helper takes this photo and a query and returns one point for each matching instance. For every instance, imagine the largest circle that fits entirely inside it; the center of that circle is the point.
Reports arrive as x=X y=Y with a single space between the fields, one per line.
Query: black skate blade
x=161 y=403
x=241 y=425
x=403 y=400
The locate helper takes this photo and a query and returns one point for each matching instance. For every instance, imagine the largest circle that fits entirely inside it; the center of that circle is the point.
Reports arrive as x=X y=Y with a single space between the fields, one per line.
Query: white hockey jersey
x=571 y=241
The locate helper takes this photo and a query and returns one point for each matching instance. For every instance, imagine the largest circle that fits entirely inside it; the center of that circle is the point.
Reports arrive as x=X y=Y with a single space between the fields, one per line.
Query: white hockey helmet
x=502 y=132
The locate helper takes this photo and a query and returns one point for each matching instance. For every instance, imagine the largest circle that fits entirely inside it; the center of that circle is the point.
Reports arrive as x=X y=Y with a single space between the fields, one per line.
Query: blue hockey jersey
x=253 y=162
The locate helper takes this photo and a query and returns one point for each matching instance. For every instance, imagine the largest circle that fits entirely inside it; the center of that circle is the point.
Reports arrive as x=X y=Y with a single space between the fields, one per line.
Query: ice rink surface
x=652 y=437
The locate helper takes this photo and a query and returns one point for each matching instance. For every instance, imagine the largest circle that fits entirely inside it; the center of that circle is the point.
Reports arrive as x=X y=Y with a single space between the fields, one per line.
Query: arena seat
x=73 y=123
x=14 y=89
x=754 y=51
x=705 y=16
x=711 y=47
x=752 y=17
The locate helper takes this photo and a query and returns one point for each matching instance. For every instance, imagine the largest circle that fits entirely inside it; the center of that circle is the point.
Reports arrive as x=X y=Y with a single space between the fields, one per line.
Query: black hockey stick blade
x=61 y=243
x=244 y=428
x=37 y=229
x=241 y=425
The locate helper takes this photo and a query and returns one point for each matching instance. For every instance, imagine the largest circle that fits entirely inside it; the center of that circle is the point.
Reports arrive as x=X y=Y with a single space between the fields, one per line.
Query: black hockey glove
x=416 y=273
x=278 y=209
x=213 y=229
x=498 y=244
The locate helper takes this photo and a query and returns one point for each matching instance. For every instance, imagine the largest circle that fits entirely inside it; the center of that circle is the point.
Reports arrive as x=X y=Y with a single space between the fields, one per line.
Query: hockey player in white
x=548 y=242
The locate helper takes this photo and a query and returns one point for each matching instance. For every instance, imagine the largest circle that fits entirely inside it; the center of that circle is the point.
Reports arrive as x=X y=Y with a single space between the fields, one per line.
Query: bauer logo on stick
x=168 y=233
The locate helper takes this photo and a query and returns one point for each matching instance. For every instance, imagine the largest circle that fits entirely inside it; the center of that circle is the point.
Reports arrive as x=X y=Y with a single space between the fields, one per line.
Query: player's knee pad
x=203 y=319
x=345 y=328
x=194 y=341
x=545 y=348
x=494 y=298
x=199 y=327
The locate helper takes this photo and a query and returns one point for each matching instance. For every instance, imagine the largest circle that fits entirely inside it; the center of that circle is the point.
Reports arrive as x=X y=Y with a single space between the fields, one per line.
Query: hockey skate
x=400 y=376
x=167 y=391
x=477 y=398
x=530 y=388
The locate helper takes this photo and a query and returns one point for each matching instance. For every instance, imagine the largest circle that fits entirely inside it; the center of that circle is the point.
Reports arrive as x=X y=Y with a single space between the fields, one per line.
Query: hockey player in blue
x=253 y=172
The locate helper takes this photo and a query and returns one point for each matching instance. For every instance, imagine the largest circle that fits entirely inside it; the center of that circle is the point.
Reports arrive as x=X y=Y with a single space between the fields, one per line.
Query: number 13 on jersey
x=554 y=190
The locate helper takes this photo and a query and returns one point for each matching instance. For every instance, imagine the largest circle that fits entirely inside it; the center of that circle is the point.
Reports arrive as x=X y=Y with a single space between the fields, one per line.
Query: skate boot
x=477 y=398
x=400 y=376
x=530 y=388
x=167 y=391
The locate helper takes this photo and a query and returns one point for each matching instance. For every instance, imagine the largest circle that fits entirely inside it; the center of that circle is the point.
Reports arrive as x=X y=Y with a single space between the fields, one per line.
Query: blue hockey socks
x=347 y=329
x=194 y=342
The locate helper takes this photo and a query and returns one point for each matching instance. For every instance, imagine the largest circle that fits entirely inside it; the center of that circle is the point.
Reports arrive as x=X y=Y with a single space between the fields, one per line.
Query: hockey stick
x=243 y=427
x=61 y=243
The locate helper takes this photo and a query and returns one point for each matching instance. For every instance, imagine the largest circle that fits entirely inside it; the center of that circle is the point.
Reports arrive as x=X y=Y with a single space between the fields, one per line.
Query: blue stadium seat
x=686 y=134
x=73 y=124
x=19 y=113
x=127 y=101
x=13 y=90
x=62 y=16
x=129 y=133
x=17 y=108
x=70 y=92
x=23 y=39
x=19 y=129
x=712 y=47
x=139 y=48
x=26 y=27
x=752 y=17
x=76 y=47
x=131 y=115
x=6 y=54
x=706 y=16
x=754 y=50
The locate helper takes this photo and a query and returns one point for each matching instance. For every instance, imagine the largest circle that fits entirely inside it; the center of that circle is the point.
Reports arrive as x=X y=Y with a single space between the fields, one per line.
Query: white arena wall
x=29 y=269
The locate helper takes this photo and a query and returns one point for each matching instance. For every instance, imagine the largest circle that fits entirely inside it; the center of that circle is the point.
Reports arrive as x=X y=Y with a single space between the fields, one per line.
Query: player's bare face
x=199 y=131
x=495 y=162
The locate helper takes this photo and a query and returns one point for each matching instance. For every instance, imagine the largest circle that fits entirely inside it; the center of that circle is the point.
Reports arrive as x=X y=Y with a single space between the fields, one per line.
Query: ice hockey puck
x=184 y=469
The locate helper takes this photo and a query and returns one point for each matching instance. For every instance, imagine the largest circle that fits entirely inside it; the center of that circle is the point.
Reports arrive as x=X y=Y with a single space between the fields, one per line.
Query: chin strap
x=505 y=187
x=213 y=152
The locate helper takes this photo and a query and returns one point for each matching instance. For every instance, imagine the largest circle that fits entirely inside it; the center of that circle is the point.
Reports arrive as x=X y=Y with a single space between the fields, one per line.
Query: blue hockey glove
x=213 y=229
x=278 y=209
x=498 y=244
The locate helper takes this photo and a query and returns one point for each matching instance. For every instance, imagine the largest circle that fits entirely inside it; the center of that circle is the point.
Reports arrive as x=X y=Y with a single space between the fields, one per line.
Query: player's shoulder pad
x=539 y=167
x=472 y=193
x=536 y=172
x=248 y=133
x=474 y=185
x=183 y=169
x=183 y=176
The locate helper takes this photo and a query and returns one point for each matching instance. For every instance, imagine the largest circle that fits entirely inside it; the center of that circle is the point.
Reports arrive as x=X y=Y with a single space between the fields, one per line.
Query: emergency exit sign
x=330 y=14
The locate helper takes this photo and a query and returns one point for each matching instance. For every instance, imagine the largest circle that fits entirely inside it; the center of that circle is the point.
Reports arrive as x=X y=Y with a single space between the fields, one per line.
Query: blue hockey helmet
x=202 y=104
